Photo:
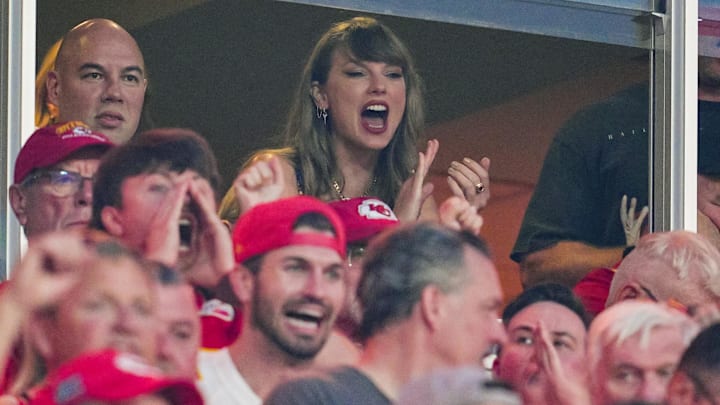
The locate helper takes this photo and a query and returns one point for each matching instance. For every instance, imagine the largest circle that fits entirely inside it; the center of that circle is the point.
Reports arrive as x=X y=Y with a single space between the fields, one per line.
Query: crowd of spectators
x=329 y=274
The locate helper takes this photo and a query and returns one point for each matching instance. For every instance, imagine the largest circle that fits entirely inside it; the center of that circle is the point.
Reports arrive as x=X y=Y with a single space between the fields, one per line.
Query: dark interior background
x=227 y=68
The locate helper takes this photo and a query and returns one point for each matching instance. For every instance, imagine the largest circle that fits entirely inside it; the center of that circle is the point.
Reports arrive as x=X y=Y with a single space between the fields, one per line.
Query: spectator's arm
x=566 y=262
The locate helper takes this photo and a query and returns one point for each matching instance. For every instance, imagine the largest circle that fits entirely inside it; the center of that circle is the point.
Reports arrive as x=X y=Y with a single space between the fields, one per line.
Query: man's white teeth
x=306 y=313
x=303 y=323
x=377 y=107
x=311 y=313
x=184 y=221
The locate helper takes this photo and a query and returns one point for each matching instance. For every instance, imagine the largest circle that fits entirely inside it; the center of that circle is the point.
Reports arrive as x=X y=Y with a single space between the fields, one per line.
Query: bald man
x=99 y=78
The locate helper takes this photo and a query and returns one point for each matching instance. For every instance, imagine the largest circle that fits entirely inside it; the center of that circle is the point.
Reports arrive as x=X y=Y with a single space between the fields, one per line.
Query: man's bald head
x=99 y=78
x=87 y=30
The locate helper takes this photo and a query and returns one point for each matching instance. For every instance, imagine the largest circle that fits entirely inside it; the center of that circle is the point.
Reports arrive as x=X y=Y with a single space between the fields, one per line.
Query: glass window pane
x=501 y=86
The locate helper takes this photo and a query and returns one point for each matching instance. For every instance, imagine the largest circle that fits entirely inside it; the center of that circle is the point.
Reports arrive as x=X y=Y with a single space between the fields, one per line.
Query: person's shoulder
x=219 y=380
x=317 y=387
x=211 y=359
x=317 y=377
x=637 y=97
x=344 y=373
x=631 y=102
x=624 y=111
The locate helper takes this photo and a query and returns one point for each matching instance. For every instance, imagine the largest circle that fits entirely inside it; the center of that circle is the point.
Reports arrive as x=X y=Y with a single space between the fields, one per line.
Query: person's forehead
x=480 y=292
x=102 y=46
x=343 y=55
x=664 y=345
x=118 y=272
x=87 y=159
x=177 y=301
x=662 y=280
x=645 y=268
x=159 y=172
x=557 y=318
x=74 y=164
x=319 y=255
x=482 y=271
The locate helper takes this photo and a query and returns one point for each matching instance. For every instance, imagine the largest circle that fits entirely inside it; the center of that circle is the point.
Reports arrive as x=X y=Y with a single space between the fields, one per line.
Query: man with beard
x=291 y=284
x=430 y=298
x=157 y=194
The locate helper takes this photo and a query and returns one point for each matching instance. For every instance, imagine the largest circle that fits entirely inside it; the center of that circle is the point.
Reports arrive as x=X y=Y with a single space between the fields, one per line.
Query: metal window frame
x=673 y=180
x=17 y=108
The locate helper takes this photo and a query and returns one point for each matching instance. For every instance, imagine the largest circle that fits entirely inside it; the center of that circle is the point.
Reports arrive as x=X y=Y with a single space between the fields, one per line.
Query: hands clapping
x=471 y=180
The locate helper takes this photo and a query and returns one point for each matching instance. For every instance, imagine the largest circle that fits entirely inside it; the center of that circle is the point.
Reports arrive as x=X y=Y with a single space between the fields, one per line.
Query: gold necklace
x=339 y=190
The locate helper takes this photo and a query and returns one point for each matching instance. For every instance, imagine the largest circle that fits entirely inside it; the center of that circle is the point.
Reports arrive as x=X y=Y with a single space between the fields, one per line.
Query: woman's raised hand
x=414 y=192
x=471 y=180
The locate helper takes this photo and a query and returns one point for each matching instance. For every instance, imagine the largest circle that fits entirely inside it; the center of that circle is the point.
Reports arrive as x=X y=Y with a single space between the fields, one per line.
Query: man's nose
x=84 y=195
x=113 y=90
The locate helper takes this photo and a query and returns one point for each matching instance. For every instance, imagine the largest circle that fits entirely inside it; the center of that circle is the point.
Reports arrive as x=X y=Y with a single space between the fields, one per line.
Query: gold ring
x=479 y=188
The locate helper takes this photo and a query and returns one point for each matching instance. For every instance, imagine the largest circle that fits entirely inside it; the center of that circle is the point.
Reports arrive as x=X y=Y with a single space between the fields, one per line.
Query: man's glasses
x=60 y=183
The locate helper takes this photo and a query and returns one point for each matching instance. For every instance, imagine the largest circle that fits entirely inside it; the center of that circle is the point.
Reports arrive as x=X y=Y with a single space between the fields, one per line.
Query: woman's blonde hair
x=45 y=112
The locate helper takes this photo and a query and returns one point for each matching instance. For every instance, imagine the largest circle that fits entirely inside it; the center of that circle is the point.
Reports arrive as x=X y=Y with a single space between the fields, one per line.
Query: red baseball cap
x=112 y=376
x=364 y=217
x=269 y=226
x=50 y=145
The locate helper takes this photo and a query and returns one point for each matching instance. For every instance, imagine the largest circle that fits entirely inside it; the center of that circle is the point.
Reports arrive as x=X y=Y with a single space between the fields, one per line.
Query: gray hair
x=690 y=255
x=630 y=318
x=399 y=265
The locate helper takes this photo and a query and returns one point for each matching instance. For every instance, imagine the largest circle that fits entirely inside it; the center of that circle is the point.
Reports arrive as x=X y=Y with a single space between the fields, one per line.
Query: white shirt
x=220 y=382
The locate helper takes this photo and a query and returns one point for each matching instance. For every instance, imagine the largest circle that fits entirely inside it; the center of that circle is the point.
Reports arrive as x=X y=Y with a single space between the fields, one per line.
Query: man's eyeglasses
x=60 y=183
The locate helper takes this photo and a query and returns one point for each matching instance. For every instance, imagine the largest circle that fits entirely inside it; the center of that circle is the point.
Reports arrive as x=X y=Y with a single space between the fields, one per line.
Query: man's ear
x=431 y=306
x=681 y=388
x=242 y=282
x=111 y=220
x=630 y=291
x=18 y=202
x=318 y=94
x=52 y=85
x=633 y=291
